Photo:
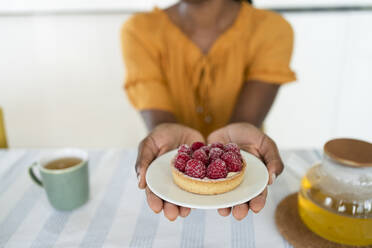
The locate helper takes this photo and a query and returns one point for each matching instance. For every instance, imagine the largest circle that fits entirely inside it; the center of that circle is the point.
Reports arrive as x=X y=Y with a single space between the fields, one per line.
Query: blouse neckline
x=227 y=35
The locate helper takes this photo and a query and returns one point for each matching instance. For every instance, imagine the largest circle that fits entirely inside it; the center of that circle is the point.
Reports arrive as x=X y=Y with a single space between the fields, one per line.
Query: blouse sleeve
x=272 y=53
x=144 y=83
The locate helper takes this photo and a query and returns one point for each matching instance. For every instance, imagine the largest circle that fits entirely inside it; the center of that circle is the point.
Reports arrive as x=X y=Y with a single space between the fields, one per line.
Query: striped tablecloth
x=117 y=214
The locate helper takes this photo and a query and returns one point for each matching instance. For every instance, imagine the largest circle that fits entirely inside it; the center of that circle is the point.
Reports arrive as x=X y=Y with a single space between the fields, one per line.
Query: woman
x=198 y=66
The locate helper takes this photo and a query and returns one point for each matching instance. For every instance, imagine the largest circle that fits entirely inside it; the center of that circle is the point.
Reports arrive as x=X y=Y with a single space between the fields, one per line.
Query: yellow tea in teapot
x=332 y=217
x=335 y=200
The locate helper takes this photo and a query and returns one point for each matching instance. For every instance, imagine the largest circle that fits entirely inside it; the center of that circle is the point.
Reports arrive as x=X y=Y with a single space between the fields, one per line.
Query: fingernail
x=141 y=185
x=273 y=177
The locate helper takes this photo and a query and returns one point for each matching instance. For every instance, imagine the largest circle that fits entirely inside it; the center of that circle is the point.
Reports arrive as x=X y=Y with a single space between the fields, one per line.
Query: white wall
x=61 y=79
x=66 y=5
x=61 y=82
x=332 y=98
x=58 y=5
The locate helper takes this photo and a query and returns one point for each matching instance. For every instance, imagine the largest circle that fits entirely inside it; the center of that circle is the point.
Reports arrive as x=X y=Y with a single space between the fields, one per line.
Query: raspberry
x=201 y=155
x=195 y=168
x=219 y=145
x=215 y=153
x=217 y=169
x=233 y=161
x=196 y=145
x=232 y=147
x=181 y=160
x=184 y=149
x=206 y=149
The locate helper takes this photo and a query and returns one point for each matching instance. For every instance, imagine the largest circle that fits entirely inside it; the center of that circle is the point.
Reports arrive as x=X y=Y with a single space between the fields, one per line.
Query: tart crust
x=207 y=186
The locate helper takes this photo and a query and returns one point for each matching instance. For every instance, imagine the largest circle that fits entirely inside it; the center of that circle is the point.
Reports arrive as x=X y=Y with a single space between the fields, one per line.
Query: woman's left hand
x=252 y=140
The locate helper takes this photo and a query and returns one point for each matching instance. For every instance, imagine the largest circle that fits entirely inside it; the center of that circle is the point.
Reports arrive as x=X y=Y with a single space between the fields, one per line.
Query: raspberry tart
x=208 y=169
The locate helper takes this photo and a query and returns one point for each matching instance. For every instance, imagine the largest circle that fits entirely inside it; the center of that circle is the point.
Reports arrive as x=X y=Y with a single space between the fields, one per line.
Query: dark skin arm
x=254 y=102
x=152 y=118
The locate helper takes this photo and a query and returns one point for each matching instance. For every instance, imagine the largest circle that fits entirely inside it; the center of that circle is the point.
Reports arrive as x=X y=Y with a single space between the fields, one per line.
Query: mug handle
x=33 y=176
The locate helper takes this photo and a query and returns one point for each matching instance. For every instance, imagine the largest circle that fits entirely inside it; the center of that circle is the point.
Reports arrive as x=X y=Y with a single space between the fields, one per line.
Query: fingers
x=271 y=157
x=224 y=211
x=257 y=203
x=147 y=152
x=251 y=139
x=154 y=202
x=171 y=211
x=174 y=135
x=220 y=135
x=184 y=212
x=252 y=149
x=272 y=177
x=240 y=211
x=191 y=136
x=162 y=139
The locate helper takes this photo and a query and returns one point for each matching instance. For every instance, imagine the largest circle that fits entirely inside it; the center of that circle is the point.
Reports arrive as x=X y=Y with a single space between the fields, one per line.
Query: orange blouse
x=166 y=71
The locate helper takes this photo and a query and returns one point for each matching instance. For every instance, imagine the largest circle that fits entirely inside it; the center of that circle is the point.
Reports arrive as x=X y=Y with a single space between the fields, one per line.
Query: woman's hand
x=252 y=140
x=163 y=138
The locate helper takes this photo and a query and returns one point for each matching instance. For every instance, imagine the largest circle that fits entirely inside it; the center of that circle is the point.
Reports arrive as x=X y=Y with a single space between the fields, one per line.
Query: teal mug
x=67 y=188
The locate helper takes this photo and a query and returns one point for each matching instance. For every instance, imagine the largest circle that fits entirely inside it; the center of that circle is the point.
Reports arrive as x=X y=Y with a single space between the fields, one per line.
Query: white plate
x=160 y=181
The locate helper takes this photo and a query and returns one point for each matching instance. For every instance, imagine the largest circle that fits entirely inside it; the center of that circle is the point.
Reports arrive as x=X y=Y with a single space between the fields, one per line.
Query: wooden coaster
x=294 y=230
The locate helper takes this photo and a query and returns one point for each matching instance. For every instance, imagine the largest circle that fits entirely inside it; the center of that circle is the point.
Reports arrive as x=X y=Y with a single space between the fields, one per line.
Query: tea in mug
x=63 y=163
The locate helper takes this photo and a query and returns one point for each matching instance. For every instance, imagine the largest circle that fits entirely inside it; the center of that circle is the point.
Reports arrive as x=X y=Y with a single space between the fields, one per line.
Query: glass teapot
x=335 y=200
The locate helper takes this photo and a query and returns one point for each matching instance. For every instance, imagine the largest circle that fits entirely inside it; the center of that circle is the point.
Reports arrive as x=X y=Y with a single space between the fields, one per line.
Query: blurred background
x=61 y=73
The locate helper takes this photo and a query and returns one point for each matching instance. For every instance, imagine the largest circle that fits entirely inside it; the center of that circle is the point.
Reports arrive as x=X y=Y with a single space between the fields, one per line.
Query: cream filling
x=231 y=174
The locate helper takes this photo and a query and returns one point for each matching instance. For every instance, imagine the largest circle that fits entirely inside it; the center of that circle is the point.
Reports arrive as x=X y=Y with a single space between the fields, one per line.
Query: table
x=117 y=214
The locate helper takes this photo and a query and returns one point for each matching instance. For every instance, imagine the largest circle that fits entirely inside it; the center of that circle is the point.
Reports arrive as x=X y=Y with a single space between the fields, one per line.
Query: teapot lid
x=350 y=152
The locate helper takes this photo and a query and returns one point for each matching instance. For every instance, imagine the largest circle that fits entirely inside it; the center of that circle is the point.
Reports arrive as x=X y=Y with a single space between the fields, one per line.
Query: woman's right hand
x=163 y=138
